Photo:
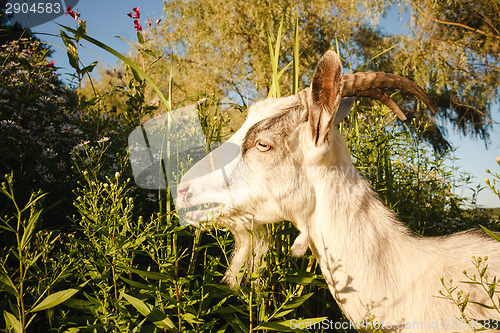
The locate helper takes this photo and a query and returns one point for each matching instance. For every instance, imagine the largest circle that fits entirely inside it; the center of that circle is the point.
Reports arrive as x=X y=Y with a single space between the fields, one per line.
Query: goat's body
x=288 y=162
x=376 y=268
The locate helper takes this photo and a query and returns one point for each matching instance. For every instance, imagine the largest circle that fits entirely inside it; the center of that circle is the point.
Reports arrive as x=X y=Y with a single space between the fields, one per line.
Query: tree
x=221 y=48
x=454 y=50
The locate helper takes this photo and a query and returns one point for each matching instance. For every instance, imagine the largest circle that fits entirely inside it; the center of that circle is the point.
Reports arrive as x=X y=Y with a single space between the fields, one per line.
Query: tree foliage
x=452 y=50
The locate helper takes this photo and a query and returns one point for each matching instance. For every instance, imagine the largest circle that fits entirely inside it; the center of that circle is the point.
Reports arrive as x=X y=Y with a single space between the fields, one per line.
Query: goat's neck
x=359 y=244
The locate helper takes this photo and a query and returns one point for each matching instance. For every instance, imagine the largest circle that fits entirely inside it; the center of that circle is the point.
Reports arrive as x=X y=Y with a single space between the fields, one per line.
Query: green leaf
x=80 y=304
x=282 y=313
x=483 y=305
x=7 y=285
x=149 y=52
x=82 y=30
x=296 y=302
x=464 y=304
x=137 y=77
x=30 y=227
x=150 y=275
x=56 y=299
x=73 y=57
x=140 y=37
x=89 y=68
x=66 y=39
x=483 y=271
x=147 y=310
x=11 y=322
x=491 y=289
x=192 y=319
x=138 y=284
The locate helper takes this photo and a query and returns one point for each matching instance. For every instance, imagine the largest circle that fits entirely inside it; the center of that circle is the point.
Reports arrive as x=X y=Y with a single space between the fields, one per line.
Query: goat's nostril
x=182 y=189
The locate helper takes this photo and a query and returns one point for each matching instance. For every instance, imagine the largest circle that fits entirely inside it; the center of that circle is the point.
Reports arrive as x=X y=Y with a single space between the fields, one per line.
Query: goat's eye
x=261 y=146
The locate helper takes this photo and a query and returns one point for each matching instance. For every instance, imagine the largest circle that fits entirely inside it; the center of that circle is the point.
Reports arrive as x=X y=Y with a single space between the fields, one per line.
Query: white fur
x=373 y=264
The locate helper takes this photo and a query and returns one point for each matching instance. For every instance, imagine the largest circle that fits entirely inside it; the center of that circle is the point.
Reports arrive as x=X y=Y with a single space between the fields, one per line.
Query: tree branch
x=451 y=23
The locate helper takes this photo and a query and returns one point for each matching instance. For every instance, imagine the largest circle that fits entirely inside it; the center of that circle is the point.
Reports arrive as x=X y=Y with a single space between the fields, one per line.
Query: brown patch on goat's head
x=274 y=130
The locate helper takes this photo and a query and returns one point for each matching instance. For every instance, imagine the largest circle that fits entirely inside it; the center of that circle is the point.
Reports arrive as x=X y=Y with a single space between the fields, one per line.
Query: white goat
x=289 y=162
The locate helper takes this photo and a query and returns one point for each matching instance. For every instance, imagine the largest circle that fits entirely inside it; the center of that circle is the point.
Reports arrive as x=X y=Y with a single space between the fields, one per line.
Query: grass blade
x=492 y=234
x=295 y=88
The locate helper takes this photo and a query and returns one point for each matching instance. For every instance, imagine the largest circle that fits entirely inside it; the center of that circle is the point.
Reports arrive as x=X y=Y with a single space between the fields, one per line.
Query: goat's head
x=260 y=175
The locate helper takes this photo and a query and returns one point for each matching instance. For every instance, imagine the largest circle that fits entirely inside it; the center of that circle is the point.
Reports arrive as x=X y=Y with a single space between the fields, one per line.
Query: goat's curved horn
x=369 y=84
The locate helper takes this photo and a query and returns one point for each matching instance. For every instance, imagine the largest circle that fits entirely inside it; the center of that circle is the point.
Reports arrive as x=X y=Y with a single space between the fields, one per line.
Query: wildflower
x=45 y=99
x=51 y=64
x=77 y=131
x=151 y=197
x=103 y=139
x=137 y=25
x=8 y=123
x=158 y=21
x=48 y=178
x=70 y=12
x=65 y=128
x=137 y=13
x=49 y=153
x=21 y=72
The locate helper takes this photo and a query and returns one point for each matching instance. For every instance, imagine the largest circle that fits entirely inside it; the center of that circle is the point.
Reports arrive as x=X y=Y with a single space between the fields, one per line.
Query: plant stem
x=177 y=293
x=250 y=305
x=21 y=268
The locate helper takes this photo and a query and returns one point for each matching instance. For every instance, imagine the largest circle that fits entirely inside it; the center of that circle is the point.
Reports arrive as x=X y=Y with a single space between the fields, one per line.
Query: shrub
x=42 y=125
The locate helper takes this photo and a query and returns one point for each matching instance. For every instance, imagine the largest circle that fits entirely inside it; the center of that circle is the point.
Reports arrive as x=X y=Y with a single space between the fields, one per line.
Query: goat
x=289 y=162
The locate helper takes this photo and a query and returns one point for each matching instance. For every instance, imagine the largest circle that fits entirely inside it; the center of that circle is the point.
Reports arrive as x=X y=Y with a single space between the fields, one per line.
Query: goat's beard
x=250 y=248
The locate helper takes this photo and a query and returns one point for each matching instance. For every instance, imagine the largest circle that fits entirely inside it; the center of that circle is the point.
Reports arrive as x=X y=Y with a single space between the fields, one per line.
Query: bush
x=42 y=125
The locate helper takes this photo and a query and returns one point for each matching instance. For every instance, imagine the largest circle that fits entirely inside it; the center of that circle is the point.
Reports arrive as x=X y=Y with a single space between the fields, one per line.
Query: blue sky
x=107 y=19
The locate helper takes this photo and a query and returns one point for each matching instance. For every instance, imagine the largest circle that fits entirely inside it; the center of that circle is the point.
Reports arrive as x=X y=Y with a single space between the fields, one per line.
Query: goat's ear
x=345 y=107
x=326 y=92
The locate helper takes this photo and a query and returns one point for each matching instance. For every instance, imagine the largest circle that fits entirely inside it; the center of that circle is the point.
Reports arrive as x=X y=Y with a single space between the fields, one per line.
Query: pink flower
x=51 y=64
x=137 y=25
x=137 y=13
x=70 y=12
x=158 y=21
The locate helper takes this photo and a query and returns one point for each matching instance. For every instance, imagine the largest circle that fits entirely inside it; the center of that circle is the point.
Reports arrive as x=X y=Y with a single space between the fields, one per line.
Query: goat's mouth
x=201 y=213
